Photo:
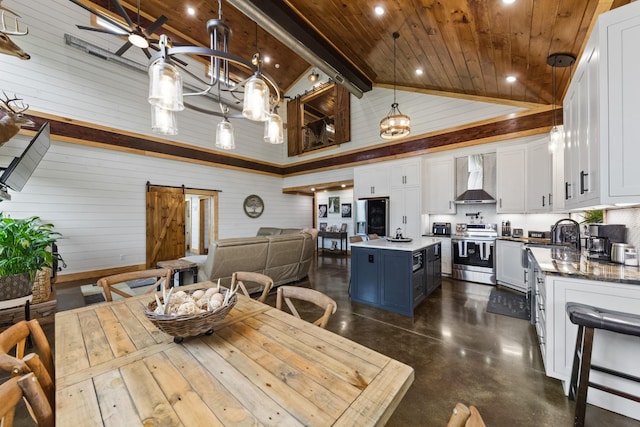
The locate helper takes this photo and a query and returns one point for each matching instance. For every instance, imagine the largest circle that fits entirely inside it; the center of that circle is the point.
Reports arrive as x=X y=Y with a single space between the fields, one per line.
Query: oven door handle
x=462 y=248
x=482 y=246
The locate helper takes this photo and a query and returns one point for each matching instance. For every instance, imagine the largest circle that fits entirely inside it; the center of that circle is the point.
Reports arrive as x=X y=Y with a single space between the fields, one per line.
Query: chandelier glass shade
x=395 y=124
x=163 y=121
x=224 y=135
x=274 y=130
x=258 y=92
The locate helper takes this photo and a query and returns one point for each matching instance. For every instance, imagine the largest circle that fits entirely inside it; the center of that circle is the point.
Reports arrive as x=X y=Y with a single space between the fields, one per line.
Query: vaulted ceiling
x=466 y=47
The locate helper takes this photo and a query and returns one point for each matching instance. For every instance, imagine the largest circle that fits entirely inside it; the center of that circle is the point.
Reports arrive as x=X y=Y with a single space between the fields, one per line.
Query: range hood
x=476 y=178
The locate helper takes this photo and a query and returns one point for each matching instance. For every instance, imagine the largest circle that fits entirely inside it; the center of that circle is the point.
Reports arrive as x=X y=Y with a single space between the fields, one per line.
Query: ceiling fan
x=137 y=36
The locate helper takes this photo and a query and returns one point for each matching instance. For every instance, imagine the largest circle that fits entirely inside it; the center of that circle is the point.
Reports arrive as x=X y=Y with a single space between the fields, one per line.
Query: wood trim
x=511 y=126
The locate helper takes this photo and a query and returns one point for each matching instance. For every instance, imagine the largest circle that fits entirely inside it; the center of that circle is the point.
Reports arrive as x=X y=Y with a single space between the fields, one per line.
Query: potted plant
x=25 y=249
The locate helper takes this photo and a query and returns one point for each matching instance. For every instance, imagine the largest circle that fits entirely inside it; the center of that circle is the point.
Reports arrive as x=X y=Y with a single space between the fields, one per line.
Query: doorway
x=167 y=215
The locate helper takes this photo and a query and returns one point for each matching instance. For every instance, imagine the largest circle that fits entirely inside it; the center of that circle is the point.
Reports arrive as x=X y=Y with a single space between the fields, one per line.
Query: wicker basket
x=41 y=286
x=188 y=325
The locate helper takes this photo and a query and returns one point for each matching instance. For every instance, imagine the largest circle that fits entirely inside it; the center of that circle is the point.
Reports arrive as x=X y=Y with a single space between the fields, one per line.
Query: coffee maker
x=600 y=238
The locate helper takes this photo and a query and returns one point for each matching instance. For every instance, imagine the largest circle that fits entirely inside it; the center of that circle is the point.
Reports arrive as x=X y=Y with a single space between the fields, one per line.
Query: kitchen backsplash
x=629 y=217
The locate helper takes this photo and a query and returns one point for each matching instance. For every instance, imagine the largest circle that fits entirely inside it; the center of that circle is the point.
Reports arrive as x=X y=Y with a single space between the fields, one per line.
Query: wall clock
x=253 y=206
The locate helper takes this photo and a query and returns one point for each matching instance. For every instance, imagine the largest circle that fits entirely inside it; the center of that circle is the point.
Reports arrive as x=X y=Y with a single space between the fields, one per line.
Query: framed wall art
x=346 y=210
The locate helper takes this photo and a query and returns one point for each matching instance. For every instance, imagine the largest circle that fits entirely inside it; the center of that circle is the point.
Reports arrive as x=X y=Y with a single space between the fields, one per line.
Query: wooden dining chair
x=163 y=277
x=264 y=281
x=27 y=386
x=373 y=236
x=13 y=343
x=287 y=293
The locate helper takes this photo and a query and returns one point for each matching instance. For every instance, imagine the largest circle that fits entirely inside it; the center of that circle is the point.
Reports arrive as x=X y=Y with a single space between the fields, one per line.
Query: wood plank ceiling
x=465 y=47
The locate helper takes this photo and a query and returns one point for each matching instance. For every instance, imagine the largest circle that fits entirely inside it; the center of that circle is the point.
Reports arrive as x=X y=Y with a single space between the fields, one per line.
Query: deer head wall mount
x=7 y=46
x=13 y=119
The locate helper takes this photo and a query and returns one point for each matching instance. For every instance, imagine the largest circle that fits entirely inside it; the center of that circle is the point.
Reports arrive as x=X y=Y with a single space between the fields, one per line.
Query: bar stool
x=589 y=318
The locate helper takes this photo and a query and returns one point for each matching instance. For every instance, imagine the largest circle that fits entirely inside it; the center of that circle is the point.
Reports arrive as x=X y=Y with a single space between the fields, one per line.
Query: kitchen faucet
x=566 y=230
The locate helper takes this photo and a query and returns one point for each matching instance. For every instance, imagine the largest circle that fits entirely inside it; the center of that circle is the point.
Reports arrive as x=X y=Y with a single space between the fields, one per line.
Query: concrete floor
x=460 y=353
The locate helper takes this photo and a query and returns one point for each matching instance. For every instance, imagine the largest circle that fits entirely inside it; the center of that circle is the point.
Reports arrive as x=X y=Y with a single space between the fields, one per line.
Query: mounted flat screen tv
x=16 y=175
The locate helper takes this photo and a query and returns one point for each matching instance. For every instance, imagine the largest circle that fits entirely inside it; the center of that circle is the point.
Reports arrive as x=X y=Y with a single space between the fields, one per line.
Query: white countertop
x=382 y=243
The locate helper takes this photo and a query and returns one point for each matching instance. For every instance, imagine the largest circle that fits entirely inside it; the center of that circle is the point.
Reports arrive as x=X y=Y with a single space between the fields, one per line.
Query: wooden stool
x=589 y=318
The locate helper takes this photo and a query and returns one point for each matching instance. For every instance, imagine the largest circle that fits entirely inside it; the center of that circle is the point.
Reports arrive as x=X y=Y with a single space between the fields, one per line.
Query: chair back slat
x=162 y=276
x=290 y=293
x=264 y=281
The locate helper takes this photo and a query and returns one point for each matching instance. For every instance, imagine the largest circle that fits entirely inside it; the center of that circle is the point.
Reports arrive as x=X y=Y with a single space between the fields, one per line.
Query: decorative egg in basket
x=194 y=312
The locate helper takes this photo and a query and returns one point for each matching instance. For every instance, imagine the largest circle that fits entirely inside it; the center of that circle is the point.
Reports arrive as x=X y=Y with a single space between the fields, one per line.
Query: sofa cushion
x=241 y=254
x=269 y=231
x=283 y=257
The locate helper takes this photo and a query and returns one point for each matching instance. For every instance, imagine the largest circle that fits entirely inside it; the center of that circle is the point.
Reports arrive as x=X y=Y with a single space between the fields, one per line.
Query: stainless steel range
x=473 y=247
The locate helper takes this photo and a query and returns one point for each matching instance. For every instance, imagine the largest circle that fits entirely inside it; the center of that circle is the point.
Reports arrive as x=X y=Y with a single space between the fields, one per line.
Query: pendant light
x=557 y=60
x=395 y=124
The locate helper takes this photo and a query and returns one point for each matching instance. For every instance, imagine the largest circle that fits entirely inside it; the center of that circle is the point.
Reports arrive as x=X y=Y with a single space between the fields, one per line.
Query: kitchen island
x=395 y=276
x=563 y=275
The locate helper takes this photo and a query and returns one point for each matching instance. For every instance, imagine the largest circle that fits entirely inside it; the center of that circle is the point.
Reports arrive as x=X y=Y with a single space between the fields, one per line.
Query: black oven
x=474 y=259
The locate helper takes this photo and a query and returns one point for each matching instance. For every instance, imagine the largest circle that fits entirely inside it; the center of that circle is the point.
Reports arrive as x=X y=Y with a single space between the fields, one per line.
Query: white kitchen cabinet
x=372 y=181
x=557 y=180
x=510 y=180
x=510 y=271
x=539 y=161
x=405 y=212
x=440 y=186
x=406 y=173
x=601 y=111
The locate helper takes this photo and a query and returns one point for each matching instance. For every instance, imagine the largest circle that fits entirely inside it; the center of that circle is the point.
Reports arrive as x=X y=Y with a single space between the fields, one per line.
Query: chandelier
x=395 y=124
x=258 y=93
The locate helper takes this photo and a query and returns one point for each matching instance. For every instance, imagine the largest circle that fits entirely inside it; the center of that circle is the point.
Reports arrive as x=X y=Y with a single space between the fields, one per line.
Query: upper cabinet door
x=510 y=180
x=371 y=181
x=406 y=173
x=439 y=186
x=539 y=159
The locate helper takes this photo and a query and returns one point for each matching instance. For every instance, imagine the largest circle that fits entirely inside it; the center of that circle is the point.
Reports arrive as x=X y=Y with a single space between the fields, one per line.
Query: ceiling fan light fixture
x=395 y=125
x=138 y=41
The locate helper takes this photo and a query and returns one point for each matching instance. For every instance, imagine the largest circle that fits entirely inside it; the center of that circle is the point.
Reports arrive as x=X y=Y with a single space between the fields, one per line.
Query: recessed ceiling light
x=379 y=10
x=511 y=79
x=313 y=189
x=419 y=71
x=343 y=185
x=508 y=1
x=267 y=59
x=191 y=11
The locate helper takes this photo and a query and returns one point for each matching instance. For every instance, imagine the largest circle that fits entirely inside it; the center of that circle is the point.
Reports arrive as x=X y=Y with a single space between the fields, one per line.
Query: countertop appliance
x=566 y=232
x=540 y=234
x=441 y=229
x=619 y=252
x=601 y=237
x=473 y=248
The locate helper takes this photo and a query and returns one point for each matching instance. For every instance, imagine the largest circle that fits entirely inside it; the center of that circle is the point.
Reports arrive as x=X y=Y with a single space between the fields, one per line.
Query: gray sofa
x=284 y=257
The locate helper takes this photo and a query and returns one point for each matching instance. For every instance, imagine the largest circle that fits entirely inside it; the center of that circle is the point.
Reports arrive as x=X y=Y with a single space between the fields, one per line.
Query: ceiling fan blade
x=147 y=53
x=125 y=47
x=103 y=16
x=101 y=30
x=123 y=13
x=156 y=25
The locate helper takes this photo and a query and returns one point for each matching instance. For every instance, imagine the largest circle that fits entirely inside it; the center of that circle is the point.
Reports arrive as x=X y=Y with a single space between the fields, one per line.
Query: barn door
x=165 y=224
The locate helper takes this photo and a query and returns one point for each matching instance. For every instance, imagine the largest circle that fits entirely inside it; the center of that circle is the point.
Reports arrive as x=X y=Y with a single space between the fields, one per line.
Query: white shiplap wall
x=96 y=199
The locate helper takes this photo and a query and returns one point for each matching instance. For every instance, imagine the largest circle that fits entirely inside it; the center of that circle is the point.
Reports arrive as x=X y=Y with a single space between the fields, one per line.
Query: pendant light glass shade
x=274 y=130
x=395 y=125
x=256 y=100
x=165 y=86
x=163 y=121
x=224 y=135
x=555 y=138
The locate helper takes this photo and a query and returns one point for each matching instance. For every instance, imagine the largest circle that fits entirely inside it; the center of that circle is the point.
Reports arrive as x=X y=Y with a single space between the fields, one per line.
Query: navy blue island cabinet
x=394 y=276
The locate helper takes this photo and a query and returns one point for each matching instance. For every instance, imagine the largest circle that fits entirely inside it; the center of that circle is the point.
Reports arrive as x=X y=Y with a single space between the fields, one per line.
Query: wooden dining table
x=261 y=366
